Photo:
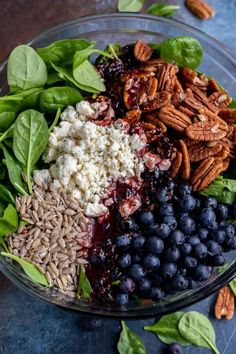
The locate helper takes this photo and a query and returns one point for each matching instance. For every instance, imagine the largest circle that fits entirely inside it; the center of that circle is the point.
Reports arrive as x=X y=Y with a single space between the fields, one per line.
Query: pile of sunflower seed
x=56 y=237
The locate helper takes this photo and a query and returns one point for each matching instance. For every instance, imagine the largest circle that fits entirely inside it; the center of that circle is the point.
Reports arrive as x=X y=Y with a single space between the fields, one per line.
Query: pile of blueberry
x=173 y=246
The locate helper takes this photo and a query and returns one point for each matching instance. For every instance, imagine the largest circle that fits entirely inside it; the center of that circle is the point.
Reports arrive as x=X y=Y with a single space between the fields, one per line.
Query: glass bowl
x=126 y=28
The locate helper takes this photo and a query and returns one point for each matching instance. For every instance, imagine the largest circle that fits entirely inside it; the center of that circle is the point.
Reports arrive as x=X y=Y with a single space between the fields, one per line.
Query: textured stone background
x=28 y=325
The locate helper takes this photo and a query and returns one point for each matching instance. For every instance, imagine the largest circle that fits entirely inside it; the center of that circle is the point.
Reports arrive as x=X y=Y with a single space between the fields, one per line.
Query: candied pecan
x=228 y=114
x=135 y=91
x=224 y=152
x=201 y=81
x=206 y=172
x=205 y=131
x=213 y=86
x=166 y=76
x=142 y=51
x=224 y=306
x=214 y=118
x=220 y=99
x=161 y=99
x=193 y=105
x=225 y=164
x=155 y=121
x=151 y=88
x=178 y=87
x=185 y=167
x=203 y=150
x=178 y=98
x=200 y=8
x=132 y=116
x=176 y=163
x=202 y=98
x=174 y=118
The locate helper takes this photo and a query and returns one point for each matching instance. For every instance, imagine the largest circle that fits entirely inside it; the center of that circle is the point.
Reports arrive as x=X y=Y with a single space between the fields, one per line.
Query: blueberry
x=155 y=245
x=157 y=280
x=168 y=269
x=146 y=218
x=128 y=225
x=126 y=286
x=218 y=260
x=189 y=262
x=172 y=254
x=200 y=250
x=229 y=230
x=170 y=185
x=170 y=221
x=218 y=236
x=203 y=235
x=213 y=226
x=192 y=284
x=177 y=237
x=231 y=243
x=163 y=230
x=122 y=299
x=193 y=240
x=144 y=286
x=156 y=293
x=186 y=249
x=202 y=272
x=91 y=323
x=198 y=204
x=184 y=189
x=179 y=282
x=207 y=216
x=153 y=229
x=166 y=210
x=98 y=258
x=136 y=258
x=161 y=195
x=187 y=225
x=151 y=262
x=137 y=272
x=137 y=243
x=122 y=241
x=222 y=211
x=213 y=248
x=187 y=203
x=209 y=202
x=124 y=261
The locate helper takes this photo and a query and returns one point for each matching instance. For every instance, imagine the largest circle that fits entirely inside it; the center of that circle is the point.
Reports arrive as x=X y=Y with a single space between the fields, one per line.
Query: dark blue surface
x=30 y=326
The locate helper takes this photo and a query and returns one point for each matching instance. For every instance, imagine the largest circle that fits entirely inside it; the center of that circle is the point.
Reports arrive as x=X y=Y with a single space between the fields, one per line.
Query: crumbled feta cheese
x=69 y=114
x=84 y=108
x=42 y=176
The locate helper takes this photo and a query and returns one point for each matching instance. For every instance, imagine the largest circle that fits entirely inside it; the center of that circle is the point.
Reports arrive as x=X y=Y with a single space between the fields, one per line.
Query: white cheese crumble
x=87 y=157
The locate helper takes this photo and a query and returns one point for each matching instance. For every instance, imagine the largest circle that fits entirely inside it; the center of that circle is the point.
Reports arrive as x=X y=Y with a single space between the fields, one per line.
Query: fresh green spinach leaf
x=30 y=269
x=87 y=75
x=130 y=5
x=58 y=114
x=130 y=342
x=223 y=189
x=53 y=78
x=167 y=330
x=198 y=330
x=232 y=285
x=58 y=97
x=84 y=287
x=3 y=244
x=81 y=55
x=184 y=51
x=7 y=134
x=8 y=111
x=6 y=195
x=20 y=95
x=25 y=69
x=30 y=138
x=162 y=9
x=9 y=221
x=31 y=101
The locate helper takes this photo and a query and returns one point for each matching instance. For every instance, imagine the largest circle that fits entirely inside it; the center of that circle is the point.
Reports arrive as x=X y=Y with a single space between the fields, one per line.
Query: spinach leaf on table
x=30 y=269
x=198 y=330
x=223 y=189
x=30 y=138
x=84 y=287
x=130 y=342
x=130 y=5
x=184 y=51
x=9 y=221
x=167 y=330
x=25 y=69
x=58 y=97
x=56 y=119
x=87 y=75
x=162 y=9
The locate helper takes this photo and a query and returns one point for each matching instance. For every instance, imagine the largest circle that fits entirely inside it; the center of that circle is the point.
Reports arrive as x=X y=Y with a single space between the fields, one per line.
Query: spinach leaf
x=87 y=75
x=66 y=74
x=167 y=330
x=8 y=111
x=30 y=138
x=20 y=95
x=84 y=287
x=58 y=97
x=53 y=78
x=58 y=114
x=130 y=342
x=232 y=285
x=30 y=269
x=130 y=5
x=162 y=9
x=224 y=190
x=184 y=51
x=25 y=69
x=9 y=221
x=198 y=330
x=232 y=104
x=82 y=55
x=62 y=51
x=7 y=134
x=3 y=206
x=3 y=244
x=6 y=195
x=31 y=101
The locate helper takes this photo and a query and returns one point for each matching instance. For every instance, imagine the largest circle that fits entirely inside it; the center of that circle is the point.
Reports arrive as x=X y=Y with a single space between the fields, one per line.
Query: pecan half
x=200 y=8
x=201 y=81
x=139 y=90
x=161 y=99
x=166 y=76
x=174 y=118
x=142 y=51
x=185 y=167
x=155 y=121
x=203 y=150
x=133 y=116
x=224 y=306
x=176 y=163
x=228 y=114
x=213 y=86
x=224 y=152
x=205 y=131
x=202 y=98
x=220 y=99
x=206 y=172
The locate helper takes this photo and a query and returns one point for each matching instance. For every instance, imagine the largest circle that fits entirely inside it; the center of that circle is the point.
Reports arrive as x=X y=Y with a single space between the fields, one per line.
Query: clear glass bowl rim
x=155 y=309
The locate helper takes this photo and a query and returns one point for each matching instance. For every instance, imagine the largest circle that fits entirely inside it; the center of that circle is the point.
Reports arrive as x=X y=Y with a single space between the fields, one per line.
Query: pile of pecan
x=187 y=107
